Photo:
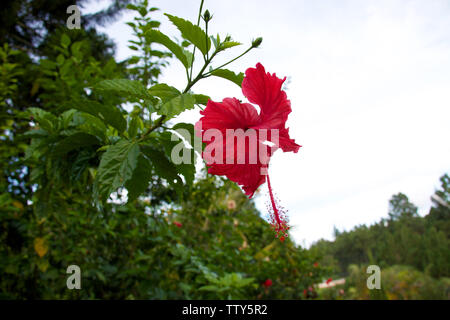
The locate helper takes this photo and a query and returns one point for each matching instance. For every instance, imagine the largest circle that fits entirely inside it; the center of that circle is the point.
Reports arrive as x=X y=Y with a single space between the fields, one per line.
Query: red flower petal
x=248 y=176
x=264 y=89
x=228 y=114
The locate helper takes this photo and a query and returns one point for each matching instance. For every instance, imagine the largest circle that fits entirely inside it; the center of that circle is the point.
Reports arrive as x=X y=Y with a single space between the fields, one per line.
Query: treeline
x=404 y=238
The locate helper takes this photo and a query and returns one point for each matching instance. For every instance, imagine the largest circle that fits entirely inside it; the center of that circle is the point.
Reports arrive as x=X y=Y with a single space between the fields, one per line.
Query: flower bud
x=257 y=42
x=207 y=16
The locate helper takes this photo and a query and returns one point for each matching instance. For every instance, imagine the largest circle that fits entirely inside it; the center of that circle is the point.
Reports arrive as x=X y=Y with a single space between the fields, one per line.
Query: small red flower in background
x=316 y=264
x=329 y=280
x=305 y=293
x=263 y=89
x=178 y=224
x=267 y=283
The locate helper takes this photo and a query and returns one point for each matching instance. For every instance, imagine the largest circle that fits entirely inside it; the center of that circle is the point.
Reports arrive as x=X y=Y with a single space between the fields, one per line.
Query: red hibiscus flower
x=267 y=283
x=242 y=162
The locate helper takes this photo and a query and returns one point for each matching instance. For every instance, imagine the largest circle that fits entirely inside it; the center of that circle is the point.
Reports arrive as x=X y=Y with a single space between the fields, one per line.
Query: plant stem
x=193 y=52
x=210 y=72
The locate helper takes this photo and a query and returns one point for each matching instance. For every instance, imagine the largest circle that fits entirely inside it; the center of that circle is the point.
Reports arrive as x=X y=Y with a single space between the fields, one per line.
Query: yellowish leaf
x=40 y=246
x=18 y=205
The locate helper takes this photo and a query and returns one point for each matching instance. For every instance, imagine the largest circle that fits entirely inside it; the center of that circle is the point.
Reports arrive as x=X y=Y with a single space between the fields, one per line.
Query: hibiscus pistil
x=277 y=215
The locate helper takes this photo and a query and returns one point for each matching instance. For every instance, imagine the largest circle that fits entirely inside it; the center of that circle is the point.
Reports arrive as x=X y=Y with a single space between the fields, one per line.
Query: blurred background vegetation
x=206 y=241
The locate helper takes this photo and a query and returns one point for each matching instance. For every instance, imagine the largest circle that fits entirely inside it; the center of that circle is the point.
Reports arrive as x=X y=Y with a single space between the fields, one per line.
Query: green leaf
x=34 y=133
x=189 y=57
x=215 y=40
x=163 y=166
x=124 y=87
x=65 y=41
x=229 y=75
x=164 y=91
x=46 y=120
x=140 y=178
x=229 y=44
x=201 y=99
x=80 y=163
x=108 y=113
x=192 y=33
x=74 y=141
x=173 y=143
x=161 y=38
x=136 y=124
x=177 y=105
x=90 y=124
x=116 y=167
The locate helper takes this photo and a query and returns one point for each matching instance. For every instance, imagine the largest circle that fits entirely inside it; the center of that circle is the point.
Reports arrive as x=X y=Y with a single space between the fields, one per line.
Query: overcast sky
x=370 y=94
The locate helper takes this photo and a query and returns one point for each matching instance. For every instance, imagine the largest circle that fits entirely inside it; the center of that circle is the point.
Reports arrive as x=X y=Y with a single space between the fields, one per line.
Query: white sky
x=370 y=94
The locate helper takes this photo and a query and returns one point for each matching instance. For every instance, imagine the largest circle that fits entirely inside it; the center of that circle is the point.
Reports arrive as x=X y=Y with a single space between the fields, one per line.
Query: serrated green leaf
x=192 y=33
x=229 y=44
x=140 y=178
x=34 y=133
x=159 y=37
x=109 y=114
x=164 y=91
x=116 y=167
x=177 y=105
x=229 y=75
x=124 y=87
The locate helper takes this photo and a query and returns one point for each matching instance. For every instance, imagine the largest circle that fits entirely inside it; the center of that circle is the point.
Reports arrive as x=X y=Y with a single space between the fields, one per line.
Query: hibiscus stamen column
x=277 y=215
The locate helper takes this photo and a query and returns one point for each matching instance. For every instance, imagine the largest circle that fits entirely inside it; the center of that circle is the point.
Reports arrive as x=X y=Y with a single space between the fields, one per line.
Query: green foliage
x=192 y=33
x=158 y=37
x=116 y=167
x=229 y=75
x=397 y=283
x=214 y=253
x=124 y=87
x=8 y=73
